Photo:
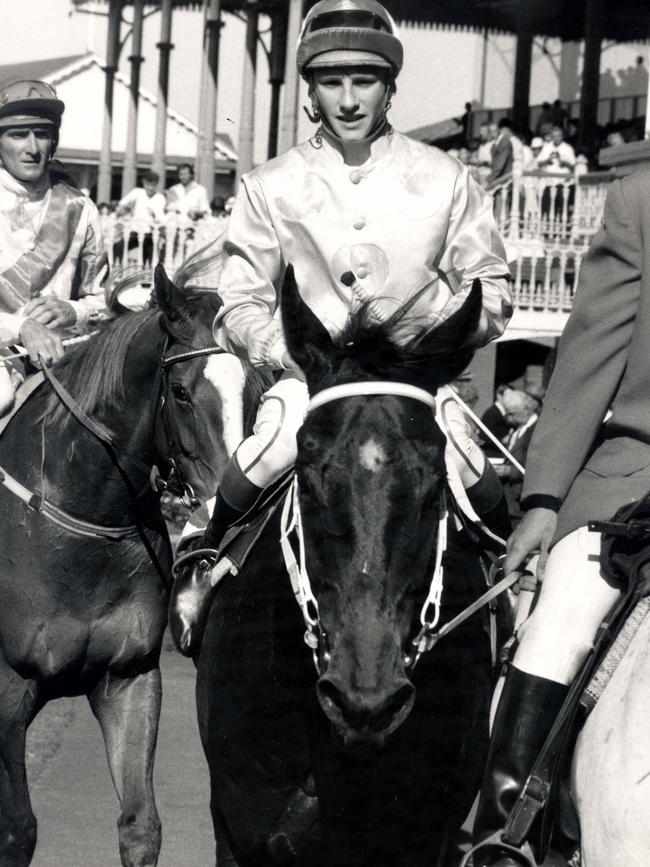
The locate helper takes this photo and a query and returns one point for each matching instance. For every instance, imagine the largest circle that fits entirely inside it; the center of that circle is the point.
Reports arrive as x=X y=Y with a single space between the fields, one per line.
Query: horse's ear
x=451 y=345
x=169 y=297
x=308 y=341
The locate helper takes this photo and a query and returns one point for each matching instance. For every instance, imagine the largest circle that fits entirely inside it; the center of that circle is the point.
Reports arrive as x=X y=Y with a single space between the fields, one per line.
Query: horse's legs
x=128 y=710
x=18 y=705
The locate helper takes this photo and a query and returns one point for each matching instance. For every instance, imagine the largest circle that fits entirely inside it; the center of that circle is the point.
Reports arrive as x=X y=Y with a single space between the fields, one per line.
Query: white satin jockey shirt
x=410 y=217
x=77 y=255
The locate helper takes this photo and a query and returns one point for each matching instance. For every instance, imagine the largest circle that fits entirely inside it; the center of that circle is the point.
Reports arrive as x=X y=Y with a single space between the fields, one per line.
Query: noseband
x=175 y=483
x=291 y=523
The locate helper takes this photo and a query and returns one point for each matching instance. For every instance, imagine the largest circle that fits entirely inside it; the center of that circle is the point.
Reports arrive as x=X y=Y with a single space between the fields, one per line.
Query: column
x=247 y=114
x=129 y=174
x=289 y=120
x=276 y=75
x=159 y=162
x=594 y=13
x=112 y=55
x=523 y=62
x=208 y=96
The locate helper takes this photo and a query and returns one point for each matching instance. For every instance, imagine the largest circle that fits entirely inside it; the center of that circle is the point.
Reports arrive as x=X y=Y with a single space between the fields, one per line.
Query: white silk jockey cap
x=27 y=102
x=339 y=33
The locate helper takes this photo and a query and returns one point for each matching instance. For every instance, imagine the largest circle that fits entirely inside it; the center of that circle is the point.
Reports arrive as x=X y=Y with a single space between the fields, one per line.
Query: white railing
x=139 y=244
x=545 y=277
x=547 y=222
x=550 y=209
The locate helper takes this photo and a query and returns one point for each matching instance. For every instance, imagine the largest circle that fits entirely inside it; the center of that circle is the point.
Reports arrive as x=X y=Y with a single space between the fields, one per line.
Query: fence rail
x=137 y=244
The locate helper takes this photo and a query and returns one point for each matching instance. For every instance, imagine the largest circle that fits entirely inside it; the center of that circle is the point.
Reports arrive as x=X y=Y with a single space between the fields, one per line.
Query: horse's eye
x=180 y=394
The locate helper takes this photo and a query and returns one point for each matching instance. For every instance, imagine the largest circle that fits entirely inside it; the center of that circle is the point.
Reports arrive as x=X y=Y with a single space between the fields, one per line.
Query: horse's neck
x=53 y=455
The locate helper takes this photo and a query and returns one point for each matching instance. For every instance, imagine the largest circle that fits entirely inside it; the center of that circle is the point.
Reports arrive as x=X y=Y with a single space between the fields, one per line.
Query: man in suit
x=494 y=419
x=578 y=469
x=502 y=154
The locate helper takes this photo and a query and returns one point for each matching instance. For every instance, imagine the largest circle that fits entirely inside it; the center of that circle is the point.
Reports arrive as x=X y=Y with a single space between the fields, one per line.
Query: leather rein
x=291 y=524
x=71 y=523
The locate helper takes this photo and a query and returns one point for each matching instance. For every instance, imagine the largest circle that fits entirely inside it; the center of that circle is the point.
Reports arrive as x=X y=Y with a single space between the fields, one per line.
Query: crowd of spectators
x=145 y=207
x=498 y=152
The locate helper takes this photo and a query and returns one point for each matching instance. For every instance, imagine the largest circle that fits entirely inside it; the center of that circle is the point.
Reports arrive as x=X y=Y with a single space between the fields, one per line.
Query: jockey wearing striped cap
x=357 y=197
x=51 y=249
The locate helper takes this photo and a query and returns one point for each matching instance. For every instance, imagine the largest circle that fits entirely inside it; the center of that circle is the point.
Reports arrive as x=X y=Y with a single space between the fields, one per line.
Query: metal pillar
x=594 y=14
x=129 y=174
x=289 y=122
x=158 y=161
x=277 y=62
x=523 y=63
x=247 y=114
x=112 y=53
x=208 y=95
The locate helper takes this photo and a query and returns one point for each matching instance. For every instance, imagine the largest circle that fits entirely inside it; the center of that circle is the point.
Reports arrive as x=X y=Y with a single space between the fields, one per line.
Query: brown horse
x=365 y=762
x=84 y=603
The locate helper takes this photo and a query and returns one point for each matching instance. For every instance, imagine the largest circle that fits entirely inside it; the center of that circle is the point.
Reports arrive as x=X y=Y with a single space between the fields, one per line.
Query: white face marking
x=226 y=373
x=371 y=456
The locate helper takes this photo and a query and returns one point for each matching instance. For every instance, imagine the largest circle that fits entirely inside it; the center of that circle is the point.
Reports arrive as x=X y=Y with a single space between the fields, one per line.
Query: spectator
x=557 y=156
x=146 y=208
x=187 y=198
x=104 y=209
x=495 y=420
x=484 y=153
x=464 y=155
x=144 y=203
x=502 y=154
x=230 y=201
x=536 y=146
x=522 y=415
x=218 y=207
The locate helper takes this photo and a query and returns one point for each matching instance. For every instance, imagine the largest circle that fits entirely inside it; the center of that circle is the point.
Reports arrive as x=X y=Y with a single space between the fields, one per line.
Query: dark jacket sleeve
x=501 y=159
x=593 y=351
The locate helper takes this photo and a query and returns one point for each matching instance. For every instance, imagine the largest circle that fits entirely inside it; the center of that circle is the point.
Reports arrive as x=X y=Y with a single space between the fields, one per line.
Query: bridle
x=175 y=483
x=291 y=525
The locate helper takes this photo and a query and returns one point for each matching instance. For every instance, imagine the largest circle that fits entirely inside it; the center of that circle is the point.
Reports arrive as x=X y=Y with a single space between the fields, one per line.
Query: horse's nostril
x=328 y=693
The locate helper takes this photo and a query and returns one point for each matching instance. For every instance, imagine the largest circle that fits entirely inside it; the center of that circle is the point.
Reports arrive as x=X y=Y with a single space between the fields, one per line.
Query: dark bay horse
x=369 y=761
x=83 y=613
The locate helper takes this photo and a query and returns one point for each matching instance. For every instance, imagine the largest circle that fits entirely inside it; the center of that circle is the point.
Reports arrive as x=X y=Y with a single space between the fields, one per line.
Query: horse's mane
x=399 y=347
x=94 y=371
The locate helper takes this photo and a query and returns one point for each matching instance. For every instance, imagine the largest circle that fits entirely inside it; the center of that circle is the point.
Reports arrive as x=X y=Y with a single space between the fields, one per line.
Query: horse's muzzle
x=365 y=718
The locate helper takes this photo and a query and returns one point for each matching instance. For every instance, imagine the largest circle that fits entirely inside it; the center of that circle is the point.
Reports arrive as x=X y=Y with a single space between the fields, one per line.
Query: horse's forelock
x=396 y=348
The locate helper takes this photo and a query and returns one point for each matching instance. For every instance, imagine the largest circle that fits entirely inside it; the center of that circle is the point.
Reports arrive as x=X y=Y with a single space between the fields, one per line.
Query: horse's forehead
x=226 y=374
x=372 y=455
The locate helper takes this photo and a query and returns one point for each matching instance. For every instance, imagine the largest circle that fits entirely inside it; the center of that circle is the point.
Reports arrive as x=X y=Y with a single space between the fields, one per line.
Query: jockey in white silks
x=51 y=249
x=357 y=197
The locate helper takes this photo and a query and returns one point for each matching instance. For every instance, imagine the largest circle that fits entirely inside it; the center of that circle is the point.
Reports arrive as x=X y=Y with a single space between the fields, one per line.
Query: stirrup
x=496 y=844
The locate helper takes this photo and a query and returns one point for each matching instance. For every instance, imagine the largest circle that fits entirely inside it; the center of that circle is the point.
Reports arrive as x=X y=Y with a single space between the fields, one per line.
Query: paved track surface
x=72 y=793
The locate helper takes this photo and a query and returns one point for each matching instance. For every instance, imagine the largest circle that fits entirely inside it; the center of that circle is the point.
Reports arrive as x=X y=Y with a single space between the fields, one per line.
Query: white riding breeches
x=271 y=449
x=574 y=601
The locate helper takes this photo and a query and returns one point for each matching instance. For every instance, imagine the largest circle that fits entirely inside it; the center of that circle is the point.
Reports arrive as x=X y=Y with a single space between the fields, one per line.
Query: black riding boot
x=527 y=710
x=190 y=595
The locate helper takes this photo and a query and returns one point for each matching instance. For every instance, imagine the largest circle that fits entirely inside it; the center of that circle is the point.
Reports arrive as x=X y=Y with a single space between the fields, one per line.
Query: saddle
x=545 y=805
